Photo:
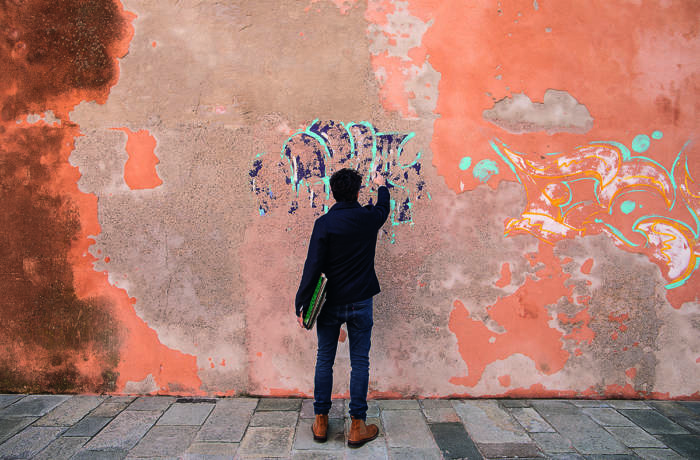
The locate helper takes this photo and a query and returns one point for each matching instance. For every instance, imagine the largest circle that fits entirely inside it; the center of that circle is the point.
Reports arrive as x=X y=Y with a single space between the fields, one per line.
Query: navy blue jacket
x=342 y=246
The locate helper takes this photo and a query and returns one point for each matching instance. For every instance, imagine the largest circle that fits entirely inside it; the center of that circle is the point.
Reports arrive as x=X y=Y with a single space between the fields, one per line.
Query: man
x=342 y=246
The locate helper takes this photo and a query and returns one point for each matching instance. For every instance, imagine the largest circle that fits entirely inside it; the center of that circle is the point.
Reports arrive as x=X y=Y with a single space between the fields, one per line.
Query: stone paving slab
x=186 y=414
x=211 y=451
x=33 y=406
x=628 y=404
x=487 y=423
x=109 y=409
x=510 y=450
x=657 y=454
x=672 y=409
x=318 y=455
x=552 y=442
x=89 y=426
x=607 y=417
x=398 y=404
x=281 y=419
x=62 y=448
x=531 y=420
x=653 y=422
x=152 y=403
x=692 y=405
x=11 y=426
x=373 y=450
x=514 y=403
x=589 y=403
x=125 y=431
x=29 y=442
x=435 y=403
x=407 y=428
x=85 y=454
x=6 y=400
x=633 y=436
x=372 y=408
x=266 y=442
x=692 y=424
x=70 y=411
x=337 y=409
x=685 y=444
x=586 y=436
x=441 y=415
x=228 y=421
x=304 y=439
x=453 y=441
x=407 y=453
x=165 y=441
x=278 y=404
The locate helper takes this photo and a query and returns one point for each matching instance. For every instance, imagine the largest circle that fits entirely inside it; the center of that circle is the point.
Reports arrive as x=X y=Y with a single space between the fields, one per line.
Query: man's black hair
x=345 y=184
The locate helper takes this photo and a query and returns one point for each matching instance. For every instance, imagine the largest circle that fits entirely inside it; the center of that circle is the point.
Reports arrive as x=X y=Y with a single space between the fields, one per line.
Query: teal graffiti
x=657 y=135
x=640 y=143
x=309 y=157
x=465 y=163
x=628 y=206
x=485 y=169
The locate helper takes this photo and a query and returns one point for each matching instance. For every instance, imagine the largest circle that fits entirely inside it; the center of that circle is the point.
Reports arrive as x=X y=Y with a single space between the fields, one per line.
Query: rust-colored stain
x=64 y=327
x=504 y=280
x=140 y=169
x=524 y=316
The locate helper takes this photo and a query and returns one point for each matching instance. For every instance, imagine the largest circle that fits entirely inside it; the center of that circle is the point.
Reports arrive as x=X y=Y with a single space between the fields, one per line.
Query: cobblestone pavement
x=117 y=427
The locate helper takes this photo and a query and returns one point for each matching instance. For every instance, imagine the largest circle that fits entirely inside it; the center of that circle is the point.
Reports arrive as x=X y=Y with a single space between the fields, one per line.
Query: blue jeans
x=358 y=316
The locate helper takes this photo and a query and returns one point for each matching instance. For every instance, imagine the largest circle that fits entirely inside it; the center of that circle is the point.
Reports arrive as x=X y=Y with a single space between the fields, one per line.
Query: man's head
x=345 y=184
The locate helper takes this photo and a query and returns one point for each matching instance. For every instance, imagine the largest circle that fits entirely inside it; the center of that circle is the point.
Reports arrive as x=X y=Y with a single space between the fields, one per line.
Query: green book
x=317 y=301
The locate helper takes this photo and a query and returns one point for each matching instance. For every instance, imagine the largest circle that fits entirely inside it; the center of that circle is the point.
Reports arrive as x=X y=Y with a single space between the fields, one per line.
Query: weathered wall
x=161 y=165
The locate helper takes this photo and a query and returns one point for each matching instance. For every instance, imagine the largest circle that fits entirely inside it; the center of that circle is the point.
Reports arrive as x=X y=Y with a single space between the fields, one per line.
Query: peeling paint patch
x=525 y=318
x=559 y=112
x=504 y=280
x=140 y=169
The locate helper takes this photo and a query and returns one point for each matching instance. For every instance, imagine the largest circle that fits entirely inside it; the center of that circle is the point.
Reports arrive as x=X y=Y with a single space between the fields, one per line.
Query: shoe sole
x=363 y=442
x=318 y=438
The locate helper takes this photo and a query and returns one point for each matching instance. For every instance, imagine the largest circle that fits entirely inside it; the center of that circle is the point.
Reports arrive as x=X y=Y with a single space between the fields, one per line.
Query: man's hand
x=378 y=179
x=301 y=322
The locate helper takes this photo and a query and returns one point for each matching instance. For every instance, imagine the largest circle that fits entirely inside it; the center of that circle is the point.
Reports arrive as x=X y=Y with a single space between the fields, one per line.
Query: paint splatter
x=628 y=206
x=484 y=169
x=640 y=143
x=465 y=163
x=140 y=169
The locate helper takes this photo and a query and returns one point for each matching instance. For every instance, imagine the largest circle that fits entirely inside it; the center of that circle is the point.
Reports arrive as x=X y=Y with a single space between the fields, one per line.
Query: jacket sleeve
x=313 y=267
x=383 y=206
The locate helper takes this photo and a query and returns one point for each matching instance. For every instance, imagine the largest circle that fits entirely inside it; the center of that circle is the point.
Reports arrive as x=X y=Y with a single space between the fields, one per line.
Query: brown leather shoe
x=320 y=428
x=361 y=433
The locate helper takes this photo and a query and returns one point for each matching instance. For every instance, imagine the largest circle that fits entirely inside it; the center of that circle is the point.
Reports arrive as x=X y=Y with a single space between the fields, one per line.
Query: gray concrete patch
x=398 y=404
x=109 y=409
x=653 y=422
x=337 y=408
x=152 y=403
x=228 y=421
x=657 y=454
x=278 y=404
x=61 y=448
x=510 y=450
x=125 y=431
x=11 y=426
x=487 y=423
x=441 y=415
x=453 y=441
x=29 y=442
x=304 y=439
x=286 y=419
x=89 y=426
x=552 y=442
x=6 y=400
x=165 y=441
x=266 y=442
x=406 y=428
x=531 y=420
x=33 y=406
x=211 y=451
x=633 y=436
x=627 y=404
x=407 y=453
x=186 y=414
x=70 y=411
x=586 y=436
x=607 y=417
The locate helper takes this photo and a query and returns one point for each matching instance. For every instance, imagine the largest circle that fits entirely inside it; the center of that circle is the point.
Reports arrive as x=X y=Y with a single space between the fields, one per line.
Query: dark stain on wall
x=50 y=47
x=53 y=55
